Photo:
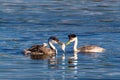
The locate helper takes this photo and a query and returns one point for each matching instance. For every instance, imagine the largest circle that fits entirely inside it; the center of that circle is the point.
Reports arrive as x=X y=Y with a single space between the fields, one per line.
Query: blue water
x=24 y=23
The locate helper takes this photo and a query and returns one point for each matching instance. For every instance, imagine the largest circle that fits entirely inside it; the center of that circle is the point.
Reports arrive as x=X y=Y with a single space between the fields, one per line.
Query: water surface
x=24 y=23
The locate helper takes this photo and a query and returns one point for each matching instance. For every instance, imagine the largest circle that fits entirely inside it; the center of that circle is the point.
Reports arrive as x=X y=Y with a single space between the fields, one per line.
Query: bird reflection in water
x=53 y=62
x=73 y=65
x=39 y=57
x=72 y=61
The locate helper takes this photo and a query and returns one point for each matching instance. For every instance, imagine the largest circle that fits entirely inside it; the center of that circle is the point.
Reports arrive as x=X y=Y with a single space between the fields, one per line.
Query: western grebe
x=85 y=49
x=43 y=50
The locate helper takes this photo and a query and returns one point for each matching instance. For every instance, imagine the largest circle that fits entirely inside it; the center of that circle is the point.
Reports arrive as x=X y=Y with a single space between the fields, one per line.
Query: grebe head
x=63 y=46
x=55 y=40
x=72 y=38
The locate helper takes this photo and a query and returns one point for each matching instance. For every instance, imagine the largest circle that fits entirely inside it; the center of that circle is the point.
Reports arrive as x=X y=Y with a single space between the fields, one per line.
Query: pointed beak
x=63 y=50
x=62 y=45
x=68 y=43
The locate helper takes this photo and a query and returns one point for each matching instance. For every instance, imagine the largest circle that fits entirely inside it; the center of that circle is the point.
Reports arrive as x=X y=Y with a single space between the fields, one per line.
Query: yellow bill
x=68 y=43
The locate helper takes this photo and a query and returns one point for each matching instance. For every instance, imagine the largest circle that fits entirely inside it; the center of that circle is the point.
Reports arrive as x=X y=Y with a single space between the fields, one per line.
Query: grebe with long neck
x=85 y=49
x=42 y=49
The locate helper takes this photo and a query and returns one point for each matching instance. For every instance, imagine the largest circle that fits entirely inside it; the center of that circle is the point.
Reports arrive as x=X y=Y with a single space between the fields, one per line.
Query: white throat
x=52 y=46
x=75 y=44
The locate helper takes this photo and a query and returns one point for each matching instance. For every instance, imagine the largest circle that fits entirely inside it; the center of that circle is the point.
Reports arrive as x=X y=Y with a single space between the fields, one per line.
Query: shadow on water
x=39 y=57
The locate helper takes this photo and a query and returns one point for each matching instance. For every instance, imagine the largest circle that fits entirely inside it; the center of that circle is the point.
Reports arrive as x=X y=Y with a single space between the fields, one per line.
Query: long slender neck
x=52 y=46
x=75 y=44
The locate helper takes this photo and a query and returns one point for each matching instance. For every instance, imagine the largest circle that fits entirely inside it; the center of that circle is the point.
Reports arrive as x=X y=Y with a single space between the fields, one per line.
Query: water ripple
x=24 y=23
